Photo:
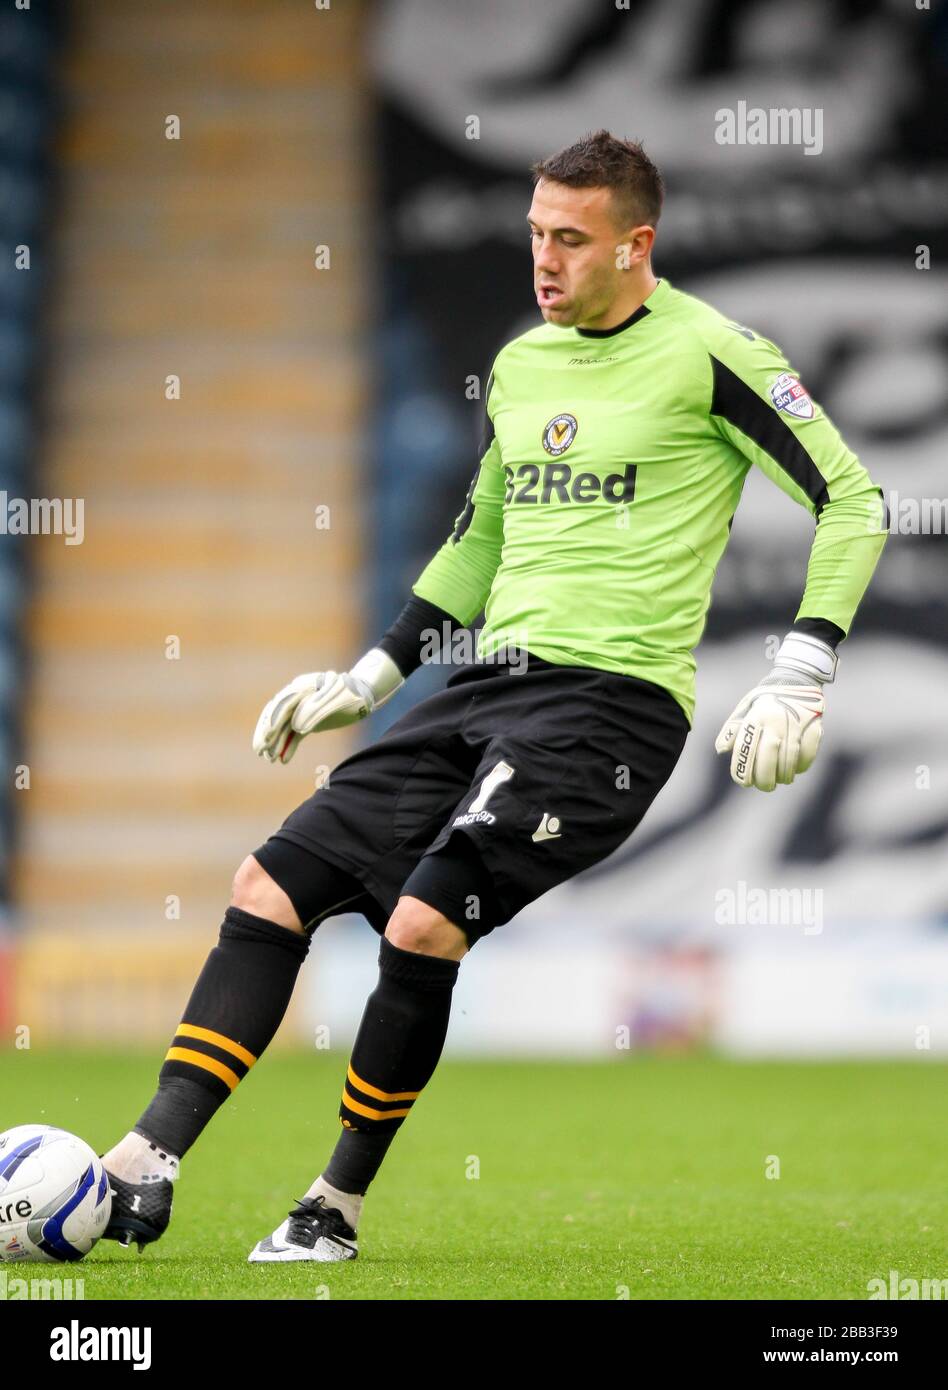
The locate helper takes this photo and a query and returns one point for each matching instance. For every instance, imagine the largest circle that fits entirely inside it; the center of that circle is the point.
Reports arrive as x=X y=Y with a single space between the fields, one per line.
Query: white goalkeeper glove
x=775 y=731
x=324 y=700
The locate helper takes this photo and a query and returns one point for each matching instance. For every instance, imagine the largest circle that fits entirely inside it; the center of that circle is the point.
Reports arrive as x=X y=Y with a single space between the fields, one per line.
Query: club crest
x=559 y=434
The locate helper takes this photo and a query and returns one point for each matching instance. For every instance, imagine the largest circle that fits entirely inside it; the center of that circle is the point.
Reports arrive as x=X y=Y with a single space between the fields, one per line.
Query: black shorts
x=523 y=778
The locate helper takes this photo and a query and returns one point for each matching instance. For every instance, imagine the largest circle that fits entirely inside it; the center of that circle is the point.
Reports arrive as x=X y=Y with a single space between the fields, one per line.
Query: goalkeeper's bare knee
x=255 y=891
x=417 y=927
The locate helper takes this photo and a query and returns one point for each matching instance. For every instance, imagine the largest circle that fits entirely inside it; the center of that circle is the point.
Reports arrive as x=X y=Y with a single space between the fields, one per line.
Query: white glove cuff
x=380 y=674
x=808 y=656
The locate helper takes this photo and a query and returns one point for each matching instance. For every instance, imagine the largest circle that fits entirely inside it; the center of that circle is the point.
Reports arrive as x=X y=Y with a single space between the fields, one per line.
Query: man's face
x=575 y=238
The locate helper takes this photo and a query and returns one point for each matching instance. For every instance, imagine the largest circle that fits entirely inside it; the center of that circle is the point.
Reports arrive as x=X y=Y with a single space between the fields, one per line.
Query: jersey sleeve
x=459 y=576
x=759 y=405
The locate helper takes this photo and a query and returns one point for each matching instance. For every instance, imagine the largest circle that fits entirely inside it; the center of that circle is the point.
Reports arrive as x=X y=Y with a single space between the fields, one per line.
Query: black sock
x=397 y=1048
x=236 y=1007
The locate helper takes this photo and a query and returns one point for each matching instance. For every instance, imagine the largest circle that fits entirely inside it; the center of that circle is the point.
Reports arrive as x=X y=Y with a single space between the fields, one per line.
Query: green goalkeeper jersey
x=612 y=464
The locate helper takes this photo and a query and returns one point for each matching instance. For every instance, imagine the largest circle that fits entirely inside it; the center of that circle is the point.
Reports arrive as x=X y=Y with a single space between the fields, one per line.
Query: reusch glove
x=775 y=731
x=324 y=700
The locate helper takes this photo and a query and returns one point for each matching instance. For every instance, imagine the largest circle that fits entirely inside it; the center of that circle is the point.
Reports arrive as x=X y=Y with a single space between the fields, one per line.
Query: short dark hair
x=601 y=160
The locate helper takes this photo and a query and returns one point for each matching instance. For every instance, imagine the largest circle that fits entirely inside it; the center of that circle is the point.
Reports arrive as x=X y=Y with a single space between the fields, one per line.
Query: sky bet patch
x=791 y=397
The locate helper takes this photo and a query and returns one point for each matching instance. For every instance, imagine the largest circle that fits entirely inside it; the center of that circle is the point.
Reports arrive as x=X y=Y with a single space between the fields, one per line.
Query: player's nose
x=545 y=260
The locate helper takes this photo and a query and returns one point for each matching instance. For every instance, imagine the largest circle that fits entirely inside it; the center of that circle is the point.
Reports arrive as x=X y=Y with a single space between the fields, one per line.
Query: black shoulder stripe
x=467 y=515
x=487 y=434
x=487 y=439
x=735 y=402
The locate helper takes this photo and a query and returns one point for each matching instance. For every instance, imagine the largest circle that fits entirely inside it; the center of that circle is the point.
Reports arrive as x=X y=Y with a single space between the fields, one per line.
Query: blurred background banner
x=28 y=103
x=277 y=247
x=206 y=265
x=832 y=251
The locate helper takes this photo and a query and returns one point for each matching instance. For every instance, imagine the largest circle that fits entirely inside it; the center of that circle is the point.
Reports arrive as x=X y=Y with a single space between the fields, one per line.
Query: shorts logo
x=501 y=772
x=559 y=434
x=548 y=829
x=791 y=397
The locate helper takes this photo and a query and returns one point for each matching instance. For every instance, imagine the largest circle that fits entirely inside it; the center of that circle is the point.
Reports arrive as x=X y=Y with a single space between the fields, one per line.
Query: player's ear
x=634 y=246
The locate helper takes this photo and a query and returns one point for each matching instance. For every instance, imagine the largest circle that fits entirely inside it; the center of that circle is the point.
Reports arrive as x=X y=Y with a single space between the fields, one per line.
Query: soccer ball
x=55 y=1201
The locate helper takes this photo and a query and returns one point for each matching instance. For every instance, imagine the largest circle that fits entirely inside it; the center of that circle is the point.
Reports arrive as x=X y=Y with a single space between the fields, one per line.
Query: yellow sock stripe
x=191 y=1030
x=201 y=1059
x=371 y=1114
x=374 y=1090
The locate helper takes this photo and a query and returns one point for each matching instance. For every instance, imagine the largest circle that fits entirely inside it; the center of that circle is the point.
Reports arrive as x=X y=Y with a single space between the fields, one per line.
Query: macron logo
x=548 y=829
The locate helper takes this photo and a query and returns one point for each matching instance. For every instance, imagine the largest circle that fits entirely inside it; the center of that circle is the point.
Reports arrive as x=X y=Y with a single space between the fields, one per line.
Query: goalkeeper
x=617 y=437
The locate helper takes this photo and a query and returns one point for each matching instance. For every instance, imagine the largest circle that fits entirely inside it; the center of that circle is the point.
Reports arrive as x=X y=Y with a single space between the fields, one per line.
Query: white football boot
x=312 y=1231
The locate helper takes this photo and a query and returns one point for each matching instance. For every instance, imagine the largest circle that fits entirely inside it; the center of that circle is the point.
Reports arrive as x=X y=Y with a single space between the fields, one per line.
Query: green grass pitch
x=642 y=1178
